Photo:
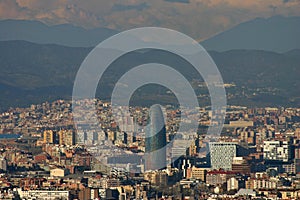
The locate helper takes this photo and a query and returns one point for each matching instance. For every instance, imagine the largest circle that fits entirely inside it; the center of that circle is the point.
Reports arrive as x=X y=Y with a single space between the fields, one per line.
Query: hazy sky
x=197 y=18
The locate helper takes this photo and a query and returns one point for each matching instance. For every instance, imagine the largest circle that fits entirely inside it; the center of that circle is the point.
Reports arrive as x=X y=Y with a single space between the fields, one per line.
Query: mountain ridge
x=47 y=72
x=277 y=34
x=62 y=34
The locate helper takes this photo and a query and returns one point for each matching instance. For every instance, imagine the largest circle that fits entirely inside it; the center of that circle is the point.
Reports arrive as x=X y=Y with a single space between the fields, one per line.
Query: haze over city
x=160 y=99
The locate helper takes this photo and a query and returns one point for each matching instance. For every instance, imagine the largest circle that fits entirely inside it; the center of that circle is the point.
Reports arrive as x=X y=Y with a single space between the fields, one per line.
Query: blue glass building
x=155 y=142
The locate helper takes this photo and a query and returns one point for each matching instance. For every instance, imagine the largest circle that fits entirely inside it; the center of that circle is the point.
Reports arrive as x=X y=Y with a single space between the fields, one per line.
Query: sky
x=200 y=19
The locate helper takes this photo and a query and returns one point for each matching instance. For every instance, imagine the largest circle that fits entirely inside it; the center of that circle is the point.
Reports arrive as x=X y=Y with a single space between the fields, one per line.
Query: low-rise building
x=44 y=194
x=58 y=172
x=218 y=177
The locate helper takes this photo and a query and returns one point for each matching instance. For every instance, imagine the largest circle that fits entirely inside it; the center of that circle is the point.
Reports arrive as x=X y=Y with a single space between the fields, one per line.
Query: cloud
x=11 y=9
x=197 y=18
x=41 y=4
x=122 y=7
x=178 y=1
x=287 y=1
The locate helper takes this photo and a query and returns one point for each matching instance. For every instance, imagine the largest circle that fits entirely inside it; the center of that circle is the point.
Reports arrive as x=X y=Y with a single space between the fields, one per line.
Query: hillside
x=278 y=34
x=31 y=73
x=63 y=34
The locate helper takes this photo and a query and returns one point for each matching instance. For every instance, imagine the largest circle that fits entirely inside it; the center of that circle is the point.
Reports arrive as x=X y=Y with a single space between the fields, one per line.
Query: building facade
x=44 y=194
x=222 y=154
x=66 y=137
x=156 y=140
x=277 y=151
x=49 y=137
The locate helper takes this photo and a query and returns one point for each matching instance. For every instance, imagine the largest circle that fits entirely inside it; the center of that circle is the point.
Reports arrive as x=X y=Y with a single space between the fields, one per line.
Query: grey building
x=222 y=154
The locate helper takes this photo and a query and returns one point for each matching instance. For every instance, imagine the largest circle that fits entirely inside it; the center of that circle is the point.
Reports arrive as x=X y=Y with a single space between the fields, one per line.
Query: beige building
x=44 y=194
x=297 y=133
x=111 y=135
x=290 y=193
x=57 y=172
x=66 y=137
x=232 y=184
x=3 y=164
x=261 y=183
x=158 y=178
x=198 y=173
x=192 y=150
x=49 y=137
x=109 y=183
x=218 y=177
x=241 y=123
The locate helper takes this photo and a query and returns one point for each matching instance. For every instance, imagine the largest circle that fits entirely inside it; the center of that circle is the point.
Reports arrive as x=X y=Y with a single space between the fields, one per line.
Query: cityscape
x=257 y=156
x=149 y=100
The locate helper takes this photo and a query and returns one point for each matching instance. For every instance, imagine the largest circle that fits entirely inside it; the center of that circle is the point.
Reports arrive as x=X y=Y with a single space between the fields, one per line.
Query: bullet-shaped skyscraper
x=155 y=142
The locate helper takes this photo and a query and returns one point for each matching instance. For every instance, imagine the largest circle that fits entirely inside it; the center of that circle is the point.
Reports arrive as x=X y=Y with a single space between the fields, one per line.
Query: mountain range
x=260 y=57
x=63 y=34
x=278 y=34
x=32 y=73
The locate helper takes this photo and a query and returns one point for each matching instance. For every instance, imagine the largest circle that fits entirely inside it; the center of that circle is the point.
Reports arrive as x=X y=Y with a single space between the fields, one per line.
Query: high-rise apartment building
x=3 y=164
x=49 y=137
x=277 y=150
x=66 y=137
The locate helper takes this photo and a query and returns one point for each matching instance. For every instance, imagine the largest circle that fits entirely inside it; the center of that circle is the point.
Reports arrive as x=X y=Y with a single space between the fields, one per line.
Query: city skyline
x=149 y=100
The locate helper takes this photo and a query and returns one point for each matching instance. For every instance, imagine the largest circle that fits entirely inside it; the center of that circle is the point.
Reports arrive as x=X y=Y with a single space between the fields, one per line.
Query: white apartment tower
x=277 y=150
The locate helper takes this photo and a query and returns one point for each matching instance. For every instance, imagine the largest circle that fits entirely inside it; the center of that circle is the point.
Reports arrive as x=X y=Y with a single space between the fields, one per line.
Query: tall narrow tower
x=155 y=142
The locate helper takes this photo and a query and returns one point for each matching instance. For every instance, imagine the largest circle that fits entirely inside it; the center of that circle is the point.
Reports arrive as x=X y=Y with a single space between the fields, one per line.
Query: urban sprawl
x=45 y=155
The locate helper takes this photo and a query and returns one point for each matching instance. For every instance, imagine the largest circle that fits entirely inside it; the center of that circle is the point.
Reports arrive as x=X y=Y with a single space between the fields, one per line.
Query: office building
x=222 y=154
x=155 y=157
